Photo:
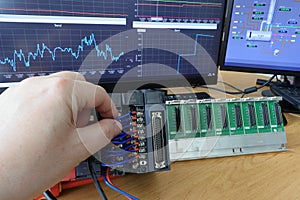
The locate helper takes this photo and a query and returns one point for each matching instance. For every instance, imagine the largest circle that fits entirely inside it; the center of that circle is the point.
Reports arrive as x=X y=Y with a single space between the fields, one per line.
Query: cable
x=255 y=88
x=125 y=115
x=119 y=163
x=243 y=92
x=267 y=82
x=95 y=180
x=232 y=86
x=128 y=126
x=109 y=181
x=124 y=121
x=126 y=144
x=48 y=195
x=121 y=136
x=220 y=90
x=112 y=186
x=122 y=141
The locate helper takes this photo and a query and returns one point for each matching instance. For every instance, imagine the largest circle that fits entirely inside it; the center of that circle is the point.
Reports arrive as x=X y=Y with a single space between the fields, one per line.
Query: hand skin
x=43 y=131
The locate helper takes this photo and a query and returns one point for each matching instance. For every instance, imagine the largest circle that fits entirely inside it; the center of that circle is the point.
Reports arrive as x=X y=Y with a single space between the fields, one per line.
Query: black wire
x=95 y=180
x=228 y=84
x=263 y=85
x=48 y=195
x=220 y=90
x=243 y=92
x=268 y=82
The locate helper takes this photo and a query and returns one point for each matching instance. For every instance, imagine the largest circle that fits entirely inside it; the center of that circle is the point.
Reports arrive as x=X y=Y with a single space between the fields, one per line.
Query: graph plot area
x=178 y=52
x=42 y=49
x=191 y=11
x=42 y=37
x=82 y=8
x=39 y=50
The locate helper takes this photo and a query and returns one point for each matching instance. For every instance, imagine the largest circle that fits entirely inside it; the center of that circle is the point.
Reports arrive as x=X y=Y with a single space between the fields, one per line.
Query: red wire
x=108 y=179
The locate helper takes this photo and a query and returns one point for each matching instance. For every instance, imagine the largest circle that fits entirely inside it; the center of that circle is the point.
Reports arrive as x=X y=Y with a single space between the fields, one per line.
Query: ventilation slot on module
x=265 y=111
x=252 y=116
x=194 y=118
x=208 y=117
x=238 y=116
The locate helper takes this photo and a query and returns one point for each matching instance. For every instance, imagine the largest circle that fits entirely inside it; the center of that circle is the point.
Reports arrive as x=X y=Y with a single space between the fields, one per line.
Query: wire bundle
x=123 y=150
x=107 y=181
x=125 y=145
x=112 y=186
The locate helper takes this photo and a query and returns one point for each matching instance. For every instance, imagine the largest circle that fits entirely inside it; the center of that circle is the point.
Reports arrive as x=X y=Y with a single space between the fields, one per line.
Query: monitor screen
x=137 y=42
x=263 y=36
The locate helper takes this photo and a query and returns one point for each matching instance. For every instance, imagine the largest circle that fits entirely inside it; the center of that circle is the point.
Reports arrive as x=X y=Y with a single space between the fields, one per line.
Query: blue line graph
x=42 y=49
x=191 y=54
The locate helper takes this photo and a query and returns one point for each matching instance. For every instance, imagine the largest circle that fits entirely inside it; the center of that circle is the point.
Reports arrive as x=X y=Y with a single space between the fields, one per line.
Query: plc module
x=224 y=127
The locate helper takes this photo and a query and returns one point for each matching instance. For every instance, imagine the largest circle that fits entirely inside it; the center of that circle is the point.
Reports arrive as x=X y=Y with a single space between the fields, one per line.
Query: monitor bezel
x=162 y=83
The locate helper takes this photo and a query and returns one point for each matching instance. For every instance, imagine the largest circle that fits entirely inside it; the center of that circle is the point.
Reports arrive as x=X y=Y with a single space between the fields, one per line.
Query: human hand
x=44 y=132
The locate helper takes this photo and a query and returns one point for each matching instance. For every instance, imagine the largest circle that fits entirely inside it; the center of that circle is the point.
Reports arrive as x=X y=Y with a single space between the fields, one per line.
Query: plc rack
x=224 y=127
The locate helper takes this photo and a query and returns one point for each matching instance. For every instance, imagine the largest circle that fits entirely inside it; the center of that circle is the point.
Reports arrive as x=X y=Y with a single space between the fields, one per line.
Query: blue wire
x=121 y=136
x=118 y=138
x=124 y=120
x=122 y=141
x=119 y=163
x=129 y=132
x=128 y=147
x=118 y=118
x=117 y=153
x=119 y=190
x=128 y=126
x=118 y=150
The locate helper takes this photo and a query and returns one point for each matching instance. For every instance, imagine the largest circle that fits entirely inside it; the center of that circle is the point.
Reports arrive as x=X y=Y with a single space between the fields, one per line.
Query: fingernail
x=114 y=110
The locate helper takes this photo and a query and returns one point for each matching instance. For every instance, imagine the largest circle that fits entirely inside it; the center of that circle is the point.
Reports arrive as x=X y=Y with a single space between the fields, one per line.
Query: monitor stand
x=289 y=92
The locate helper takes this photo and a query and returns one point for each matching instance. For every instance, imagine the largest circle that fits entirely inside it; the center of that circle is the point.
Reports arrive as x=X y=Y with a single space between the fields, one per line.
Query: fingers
x=83 y=118
x=87 y=95
x=97 y=136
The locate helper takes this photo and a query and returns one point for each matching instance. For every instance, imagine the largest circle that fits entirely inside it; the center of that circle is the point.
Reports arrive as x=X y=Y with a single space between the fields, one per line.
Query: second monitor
x=263 y=37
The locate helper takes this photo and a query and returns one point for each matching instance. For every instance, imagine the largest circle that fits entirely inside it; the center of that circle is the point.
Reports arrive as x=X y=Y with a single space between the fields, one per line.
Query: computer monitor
x=137 y=43
x=263 y=37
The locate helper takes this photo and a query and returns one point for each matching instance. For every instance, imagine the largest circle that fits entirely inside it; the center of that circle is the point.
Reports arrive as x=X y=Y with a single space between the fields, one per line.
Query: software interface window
x=141 y=40
x=264 y=35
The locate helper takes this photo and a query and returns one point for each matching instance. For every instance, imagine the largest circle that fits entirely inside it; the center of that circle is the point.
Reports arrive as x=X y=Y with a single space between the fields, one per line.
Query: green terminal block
x=247 y=125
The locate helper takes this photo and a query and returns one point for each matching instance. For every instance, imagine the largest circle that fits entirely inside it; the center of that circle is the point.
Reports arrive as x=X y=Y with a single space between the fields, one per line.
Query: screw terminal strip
x=142 y=146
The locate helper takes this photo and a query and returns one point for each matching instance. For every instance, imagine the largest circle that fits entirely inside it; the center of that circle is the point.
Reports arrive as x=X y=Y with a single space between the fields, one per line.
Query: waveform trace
x=43 y=48
x=191 y=54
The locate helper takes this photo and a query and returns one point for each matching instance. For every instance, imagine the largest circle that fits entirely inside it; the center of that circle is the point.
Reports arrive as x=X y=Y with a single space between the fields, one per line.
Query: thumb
x=96 y=136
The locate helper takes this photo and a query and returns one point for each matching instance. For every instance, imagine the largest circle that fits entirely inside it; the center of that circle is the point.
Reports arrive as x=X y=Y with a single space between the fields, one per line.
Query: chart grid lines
x=109 y=38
